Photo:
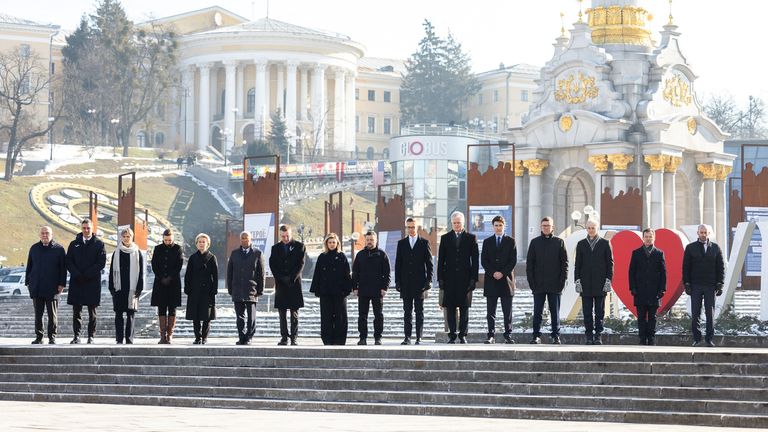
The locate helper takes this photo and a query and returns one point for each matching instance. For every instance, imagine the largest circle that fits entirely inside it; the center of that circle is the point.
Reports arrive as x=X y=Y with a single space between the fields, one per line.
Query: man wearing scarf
x=45 y=279
x=703 y=276
x=126 y=281
x=647 y=283
x=593 y=273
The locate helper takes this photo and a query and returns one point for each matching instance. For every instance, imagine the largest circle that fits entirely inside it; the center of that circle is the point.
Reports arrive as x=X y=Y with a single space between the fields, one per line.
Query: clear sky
x=720 y=38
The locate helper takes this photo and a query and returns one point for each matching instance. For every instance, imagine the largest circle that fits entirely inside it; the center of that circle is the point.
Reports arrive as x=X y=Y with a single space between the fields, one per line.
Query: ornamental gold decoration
x=672 y=164
x=620 y=161
x=693 y=126
x=535 y=166
x=708 y=170
x=677 y=91
x=566 y=123
x=657 y=162
x=519 y=170
x=575 y=90
x=722 y=171
x=600 y=162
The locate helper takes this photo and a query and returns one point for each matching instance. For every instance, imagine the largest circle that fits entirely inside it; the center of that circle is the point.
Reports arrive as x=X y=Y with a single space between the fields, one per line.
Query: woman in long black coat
x=332 y=283
x=167 y=260
x=126 y=281
x=201 y=283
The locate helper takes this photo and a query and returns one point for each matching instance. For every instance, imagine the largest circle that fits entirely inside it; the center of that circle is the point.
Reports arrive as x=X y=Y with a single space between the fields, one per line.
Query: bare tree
x=747 y=123
x=24 y=81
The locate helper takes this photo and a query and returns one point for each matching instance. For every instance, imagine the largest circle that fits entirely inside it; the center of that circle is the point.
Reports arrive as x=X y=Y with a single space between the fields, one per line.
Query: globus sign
x=429 y=147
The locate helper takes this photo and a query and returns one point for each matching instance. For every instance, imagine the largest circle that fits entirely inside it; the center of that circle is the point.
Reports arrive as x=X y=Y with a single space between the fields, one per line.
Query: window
x=24 y=85
x=159 y=139
x=524 y=95
x=371 y=125
x=387 y=96
x=371 y=95
x=479 y=98
x=250 y=104
x=357 y=123
x=357 y=94
x=495 y=95
x=24 y=50
x=369 y=153
x=387 y=126
x=160 y=111
x=141 y=139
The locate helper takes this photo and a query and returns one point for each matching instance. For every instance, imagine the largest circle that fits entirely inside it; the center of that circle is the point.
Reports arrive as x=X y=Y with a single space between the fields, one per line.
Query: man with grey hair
x=46 y=275
x=593 y=273
x=457 y=273
x=245 y=283
x=703 y=276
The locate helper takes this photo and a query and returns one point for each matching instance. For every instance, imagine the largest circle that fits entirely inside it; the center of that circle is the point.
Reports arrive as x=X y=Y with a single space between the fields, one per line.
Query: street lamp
x=224 y=140
x=589 y=212
x=114 y=122
x=50 y=134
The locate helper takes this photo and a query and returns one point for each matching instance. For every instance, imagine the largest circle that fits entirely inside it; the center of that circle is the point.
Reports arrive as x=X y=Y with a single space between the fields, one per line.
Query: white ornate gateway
x=613 y=102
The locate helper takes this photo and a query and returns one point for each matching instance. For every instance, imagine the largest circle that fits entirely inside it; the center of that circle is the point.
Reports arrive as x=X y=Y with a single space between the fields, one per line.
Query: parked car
x=13 y=285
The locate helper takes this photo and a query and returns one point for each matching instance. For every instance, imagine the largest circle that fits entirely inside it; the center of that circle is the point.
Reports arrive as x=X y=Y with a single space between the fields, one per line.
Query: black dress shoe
x=598 y=340
x=51 y=341
x=451 y=341
x=710 y=343
x=75 y=340
x=37 y=341
x=490 y=340
x=202 y=341
x=196 y=342
x=241 y=343
x=406 y=341
x=293 y=341
x=462 y=339
x=536 y=341
x=283 y=342
x=362 y=341
x=377 y=341
x=418 y=341
x=556 y=340
x=90 y=339
x=508 y=340
x=696 y=343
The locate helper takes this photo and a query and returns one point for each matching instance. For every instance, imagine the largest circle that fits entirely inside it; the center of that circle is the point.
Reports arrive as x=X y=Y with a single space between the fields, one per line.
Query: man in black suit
x=703 y=276
x=547 y=268
x=286 y=261
x=46 y=275
x=499 y=258
x=413 y=278
x=370 y=280
x=647 y=283
x=457 y=273
x=593 y=273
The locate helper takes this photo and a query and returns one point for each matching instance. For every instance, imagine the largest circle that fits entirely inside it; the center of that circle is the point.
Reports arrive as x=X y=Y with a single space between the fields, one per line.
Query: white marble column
x=657 y=163
x=349 y=105
x=303 y=93
x=290 y=102
x=721 y=224
x=214 y=93
x=709 y=171
x=240 y=91
x=267 y=91
x=338 y=110
x=670 y=194
x=280 y=90
x=204 y=107
x=519 y=227
x=188 y=104
x=535 y=168
x=600 y=164
x=319 y=114
x=229 y=102
x=259 y=109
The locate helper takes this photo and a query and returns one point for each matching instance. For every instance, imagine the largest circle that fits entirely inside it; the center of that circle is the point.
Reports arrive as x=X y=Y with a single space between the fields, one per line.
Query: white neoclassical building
x=612 y=102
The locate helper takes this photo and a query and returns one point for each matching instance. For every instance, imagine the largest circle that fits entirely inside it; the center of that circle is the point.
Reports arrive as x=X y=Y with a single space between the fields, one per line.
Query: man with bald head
x=46 y=276
x=703 y=276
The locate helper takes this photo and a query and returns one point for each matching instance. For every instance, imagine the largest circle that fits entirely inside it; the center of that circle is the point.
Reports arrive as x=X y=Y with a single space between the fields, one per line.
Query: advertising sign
x=262 y=229
x=388 y=243
x=754 y=252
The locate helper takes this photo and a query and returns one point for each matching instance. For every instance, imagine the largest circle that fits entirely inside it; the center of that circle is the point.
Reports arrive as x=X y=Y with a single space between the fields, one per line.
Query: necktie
x=498 y=242
x=458 y=238
x=413 y=242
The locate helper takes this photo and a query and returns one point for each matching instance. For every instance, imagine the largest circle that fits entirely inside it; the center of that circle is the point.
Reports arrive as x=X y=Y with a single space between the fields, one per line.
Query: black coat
x=85 y=263
x=331 y=276
x=120 y=300
x=593 y=267
x=647 y=277
x=286 y=269
x=457 y=268
x=46 y=270
x=245 y=275
x=706 y=269
x=370 y=272
x=413 y=268
x=499 y=259
x=201 y=284
x=547 y=265
x=166 y=264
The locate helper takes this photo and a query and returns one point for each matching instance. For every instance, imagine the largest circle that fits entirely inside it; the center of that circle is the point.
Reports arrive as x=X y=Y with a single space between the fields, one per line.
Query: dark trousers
x=166 y=311
x=378 y=316
x=707 y=294
x=463 y=321
x=333 y=320
x=52 y=306
x=284 y=333
x=490 y=316
x=593 y=324
x=201 y=329
x=553 y=300
x=411 y=305
x=124 y=327
x=77 y=319
x=245 y=329
x=646 y=321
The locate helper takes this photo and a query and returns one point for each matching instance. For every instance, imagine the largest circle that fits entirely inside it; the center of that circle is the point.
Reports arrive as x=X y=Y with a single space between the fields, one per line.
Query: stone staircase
x=707 y=387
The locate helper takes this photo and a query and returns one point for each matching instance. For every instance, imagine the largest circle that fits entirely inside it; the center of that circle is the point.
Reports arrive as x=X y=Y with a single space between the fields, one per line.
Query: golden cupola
x=619 y=22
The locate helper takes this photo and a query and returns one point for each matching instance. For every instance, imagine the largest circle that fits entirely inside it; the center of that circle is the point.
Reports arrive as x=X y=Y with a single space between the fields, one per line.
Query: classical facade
x=503 y=99
x=616 y=113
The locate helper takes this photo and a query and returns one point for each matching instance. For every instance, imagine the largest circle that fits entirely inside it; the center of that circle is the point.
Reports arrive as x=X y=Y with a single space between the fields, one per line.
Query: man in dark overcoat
x=499 y=258
x=457 y=273
x=413 y=278
x=46 y=276
x=86 y=258
x=286 y=261
x=647 y=283
x=593 y=273
x=703 y=276
x=547 y=269
x=245 y=283
x=370 y=280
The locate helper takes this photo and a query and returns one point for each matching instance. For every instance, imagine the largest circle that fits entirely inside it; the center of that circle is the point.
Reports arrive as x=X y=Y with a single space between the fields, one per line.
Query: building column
x=229 y=104
x=600 y=164
x=620 y=162
x=709 y=171
x=721 y=194
x=240 y=91
x=338 y=110
x=188 y=104
x=280 y=90
x=349 y=105
x=319 y=115
x=204 y=107
x=535 y=168
x=303 y=93
x=290 y=104
x=657 y=163
x=519 y=228
x=214 y=92
x=670 y=194
x=259 y=109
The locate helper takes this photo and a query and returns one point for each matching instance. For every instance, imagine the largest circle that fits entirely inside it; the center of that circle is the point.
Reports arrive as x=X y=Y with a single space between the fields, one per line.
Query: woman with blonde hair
x=126 y=281
x=332 y=283
x=201 y=283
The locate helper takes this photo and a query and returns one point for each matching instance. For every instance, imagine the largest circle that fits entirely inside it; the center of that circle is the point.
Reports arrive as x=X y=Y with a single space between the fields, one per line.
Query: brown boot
x=169 y=329
x=163 y=327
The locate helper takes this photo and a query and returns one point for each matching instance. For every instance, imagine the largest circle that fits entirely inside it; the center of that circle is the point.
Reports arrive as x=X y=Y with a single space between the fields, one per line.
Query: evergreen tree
x=438 y=80
x=277 y=138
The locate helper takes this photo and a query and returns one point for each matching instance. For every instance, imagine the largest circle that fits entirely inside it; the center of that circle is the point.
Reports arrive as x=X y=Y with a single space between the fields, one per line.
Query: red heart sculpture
x=624 y=242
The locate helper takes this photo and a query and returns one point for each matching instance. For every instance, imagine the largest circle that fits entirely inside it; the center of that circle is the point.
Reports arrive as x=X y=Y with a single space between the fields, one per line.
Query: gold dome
x=619 y=25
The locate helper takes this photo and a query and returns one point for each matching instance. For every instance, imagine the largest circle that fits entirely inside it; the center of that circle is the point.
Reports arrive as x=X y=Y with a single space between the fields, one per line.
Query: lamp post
x=589 y=212
x=224 y=140
x=50 y=134
x=114 y=122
